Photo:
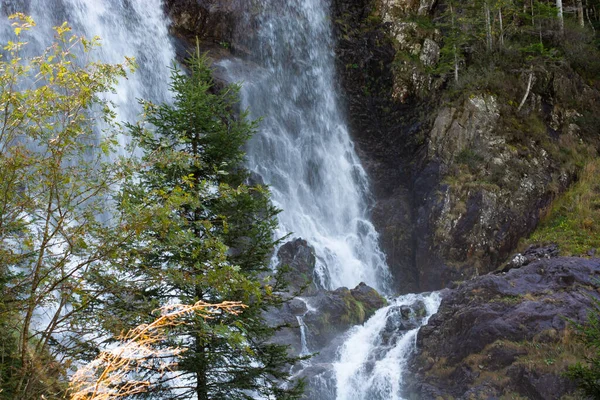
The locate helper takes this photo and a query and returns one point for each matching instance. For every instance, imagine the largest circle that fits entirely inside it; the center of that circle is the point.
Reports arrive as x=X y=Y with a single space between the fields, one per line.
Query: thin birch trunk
x=454 y=47
x=488 y=25
x=530 y=81
x=587 y=11
x=561 y=20
x=501 y=27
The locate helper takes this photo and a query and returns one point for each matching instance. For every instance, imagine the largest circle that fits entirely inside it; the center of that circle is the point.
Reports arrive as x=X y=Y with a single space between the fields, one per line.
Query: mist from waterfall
x=127 y=28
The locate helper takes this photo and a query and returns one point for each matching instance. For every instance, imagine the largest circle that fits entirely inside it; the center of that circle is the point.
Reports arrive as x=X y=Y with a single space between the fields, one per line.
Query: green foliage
x=202 y=234
x=469 y=158
x=524 y=38
x=574 y=219
x=54 y=182
x=587 y=375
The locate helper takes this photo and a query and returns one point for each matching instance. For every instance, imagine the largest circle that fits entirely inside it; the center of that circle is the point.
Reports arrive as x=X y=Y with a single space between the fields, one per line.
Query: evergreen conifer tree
x=203 y=234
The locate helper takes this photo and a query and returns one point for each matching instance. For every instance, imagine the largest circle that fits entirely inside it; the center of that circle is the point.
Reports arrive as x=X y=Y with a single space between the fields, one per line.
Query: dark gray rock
x=533 y=253
x=403 y=318
x=320 y=382
x=339 y=310
x=297 y=306
x=494 y=325
x=298 y=258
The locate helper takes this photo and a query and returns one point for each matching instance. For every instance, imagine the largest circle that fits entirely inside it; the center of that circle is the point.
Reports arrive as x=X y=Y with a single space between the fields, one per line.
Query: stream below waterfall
x=302 y=150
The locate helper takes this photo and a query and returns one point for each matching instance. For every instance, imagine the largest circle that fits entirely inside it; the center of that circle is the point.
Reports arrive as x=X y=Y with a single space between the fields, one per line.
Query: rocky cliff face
x=458 y=180
x=507 y=334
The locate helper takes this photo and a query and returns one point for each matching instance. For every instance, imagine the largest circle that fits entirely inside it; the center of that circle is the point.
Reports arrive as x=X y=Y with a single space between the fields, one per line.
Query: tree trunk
x=587 y=11
x=527 y=90
x=561 y=20
x=201 y=383
x=580 y=14
x=455 y=49
x=488 y=26
x=501 y=27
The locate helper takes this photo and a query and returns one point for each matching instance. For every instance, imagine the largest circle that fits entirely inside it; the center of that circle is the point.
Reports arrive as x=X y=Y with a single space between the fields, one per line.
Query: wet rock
x=298 y=258
x=339 y=310
x=211 y=21
x=403 y=318
x=286 y=316
x=510 y=327
x=368 y=297
x=298 y=306
x=320 y=382
x=399 y=319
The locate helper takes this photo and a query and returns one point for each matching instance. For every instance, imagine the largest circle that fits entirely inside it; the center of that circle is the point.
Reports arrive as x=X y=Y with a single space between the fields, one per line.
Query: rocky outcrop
x=298 y=259
x=326 y=315
x=213 y=24
x=337 y=311
x=533 y=253
x=211 y=21
x=458 y=182
x=492 y=192
x=506 y=334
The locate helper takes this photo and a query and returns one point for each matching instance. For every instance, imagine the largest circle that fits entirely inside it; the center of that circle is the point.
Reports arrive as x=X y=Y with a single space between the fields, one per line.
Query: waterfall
x=132 y=28
x=373 y=357
x=304 y=152
x=303 y=149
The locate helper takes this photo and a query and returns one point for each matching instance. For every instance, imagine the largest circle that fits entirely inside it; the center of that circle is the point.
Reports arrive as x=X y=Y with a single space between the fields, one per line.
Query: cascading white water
x=304 y=152
x=303 y=149
x=370 y=365
x=132 y=28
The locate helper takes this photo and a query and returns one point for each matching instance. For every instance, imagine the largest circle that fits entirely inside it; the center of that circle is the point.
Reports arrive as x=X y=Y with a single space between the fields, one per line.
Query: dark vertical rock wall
x=384 y=131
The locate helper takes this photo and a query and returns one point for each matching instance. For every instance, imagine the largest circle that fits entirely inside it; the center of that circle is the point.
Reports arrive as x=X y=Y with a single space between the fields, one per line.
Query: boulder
x=298 y=258
x=320 y=381
x=339 y=310
x=533 y=253
x=211 y=21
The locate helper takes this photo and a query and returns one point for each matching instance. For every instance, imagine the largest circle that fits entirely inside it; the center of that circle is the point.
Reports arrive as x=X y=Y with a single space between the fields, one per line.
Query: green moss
x=469 y=158
x=509 y=300
x=574 y=218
